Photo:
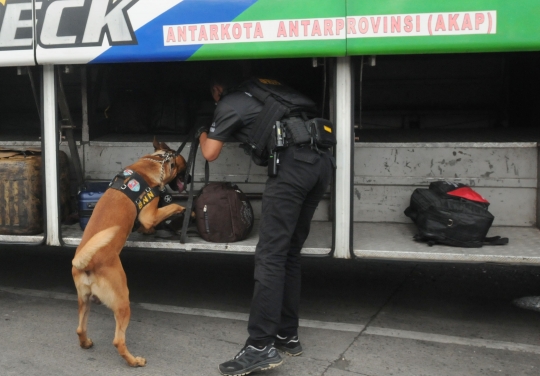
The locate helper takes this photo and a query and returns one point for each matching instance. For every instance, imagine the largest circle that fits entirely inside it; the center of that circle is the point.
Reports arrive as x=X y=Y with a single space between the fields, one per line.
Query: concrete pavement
x=188 y=315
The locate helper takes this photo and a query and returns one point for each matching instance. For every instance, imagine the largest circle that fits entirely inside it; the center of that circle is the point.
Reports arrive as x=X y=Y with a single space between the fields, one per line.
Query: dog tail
x=96 y=242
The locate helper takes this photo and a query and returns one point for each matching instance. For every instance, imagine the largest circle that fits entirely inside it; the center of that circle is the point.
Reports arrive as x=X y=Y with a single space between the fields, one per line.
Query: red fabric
x=469 y=194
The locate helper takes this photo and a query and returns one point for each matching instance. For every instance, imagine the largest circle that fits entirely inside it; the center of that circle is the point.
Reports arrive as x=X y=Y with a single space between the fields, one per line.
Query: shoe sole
x=290 y=352
x=256 y=368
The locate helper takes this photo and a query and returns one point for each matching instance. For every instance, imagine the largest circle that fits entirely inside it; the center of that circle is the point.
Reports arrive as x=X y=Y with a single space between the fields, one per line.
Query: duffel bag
x=451 y=214
x=223 y=213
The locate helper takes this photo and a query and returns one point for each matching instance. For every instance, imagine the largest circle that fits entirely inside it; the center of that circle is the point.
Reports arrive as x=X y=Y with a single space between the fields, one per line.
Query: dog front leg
x=150 y=219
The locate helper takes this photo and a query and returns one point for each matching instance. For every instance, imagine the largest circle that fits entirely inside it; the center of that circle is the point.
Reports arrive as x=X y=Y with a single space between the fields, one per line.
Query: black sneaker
x=289 y=345
x=251 y=359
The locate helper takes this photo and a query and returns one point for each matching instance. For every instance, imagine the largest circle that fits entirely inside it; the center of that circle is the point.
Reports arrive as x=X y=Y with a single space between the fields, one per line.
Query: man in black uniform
x=288 y=204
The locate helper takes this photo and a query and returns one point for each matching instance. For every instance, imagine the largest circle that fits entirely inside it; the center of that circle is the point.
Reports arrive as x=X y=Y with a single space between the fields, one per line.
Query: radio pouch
x=322 y=131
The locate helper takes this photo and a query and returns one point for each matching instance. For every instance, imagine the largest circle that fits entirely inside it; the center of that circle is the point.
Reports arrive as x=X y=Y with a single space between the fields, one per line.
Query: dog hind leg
x=114 y=294
x=122 y=314
x=84 y=310
x=83 y=294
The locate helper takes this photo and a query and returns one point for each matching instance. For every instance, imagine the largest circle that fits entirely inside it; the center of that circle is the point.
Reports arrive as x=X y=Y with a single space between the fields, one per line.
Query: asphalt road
x=368 y=318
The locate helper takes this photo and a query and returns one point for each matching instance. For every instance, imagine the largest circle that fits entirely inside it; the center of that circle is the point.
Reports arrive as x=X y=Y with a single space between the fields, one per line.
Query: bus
x=418 y=91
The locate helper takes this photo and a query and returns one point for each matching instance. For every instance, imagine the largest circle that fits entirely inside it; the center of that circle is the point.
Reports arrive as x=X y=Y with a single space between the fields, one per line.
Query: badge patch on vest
x=134 y=185
x=139 y=191
x=148 y=196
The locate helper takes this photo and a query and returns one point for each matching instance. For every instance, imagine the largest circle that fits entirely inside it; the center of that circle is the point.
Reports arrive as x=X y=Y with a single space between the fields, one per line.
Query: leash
x=191 y=134
x=190 y=168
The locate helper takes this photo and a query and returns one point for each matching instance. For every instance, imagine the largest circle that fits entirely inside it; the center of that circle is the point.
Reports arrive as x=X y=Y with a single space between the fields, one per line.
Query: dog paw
x=139 y=362
x=87 y=344
x=146 y=231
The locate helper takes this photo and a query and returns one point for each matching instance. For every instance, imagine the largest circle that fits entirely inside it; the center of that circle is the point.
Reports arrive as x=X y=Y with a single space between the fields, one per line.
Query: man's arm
x=210 y=148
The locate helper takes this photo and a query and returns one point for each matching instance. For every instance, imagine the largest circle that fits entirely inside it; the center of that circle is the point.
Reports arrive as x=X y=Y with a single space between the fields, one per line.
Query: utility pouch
x=296 y=128
x=322 y=131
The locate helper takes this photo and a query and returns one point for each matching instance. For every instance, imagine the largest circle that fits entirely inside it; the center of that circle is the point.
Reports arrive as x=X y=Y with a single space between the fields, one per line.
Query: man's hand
x=200 y=130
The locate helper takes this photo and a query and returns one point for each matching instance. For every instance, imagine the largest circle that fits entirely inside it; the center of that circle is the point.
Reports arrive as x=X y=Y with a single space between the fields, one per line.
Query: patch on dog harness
x=132 y=185
x=145 y=199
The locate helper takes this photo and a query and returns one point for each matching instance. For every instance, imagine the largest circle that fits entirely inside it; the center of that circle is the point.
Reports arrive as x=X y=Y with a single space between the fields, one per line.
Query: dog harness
x=136 y=189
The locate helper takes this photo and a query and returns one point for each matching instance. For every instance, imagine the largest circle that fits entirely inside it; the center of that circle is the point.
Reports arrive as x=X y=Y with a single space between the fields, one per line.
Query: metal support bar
x=538 y=187
x=34 y=90
x=344 y=150
x=50 y=155
x=84 y=100
x=67 y=121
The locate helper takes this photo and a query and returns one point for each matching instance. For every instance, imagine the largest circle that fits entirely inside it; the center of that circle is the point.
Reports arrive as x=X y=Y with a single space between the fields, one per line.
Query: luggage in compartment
x=88 y=198
x=224 y=213
x=452 y=214
x=21 y=191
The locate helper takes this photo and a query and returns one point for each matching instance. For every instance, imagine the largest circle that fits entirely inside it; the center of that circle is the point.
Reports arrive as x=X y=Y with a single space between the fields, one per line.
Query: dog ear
x=164 y=146
x=160 y=145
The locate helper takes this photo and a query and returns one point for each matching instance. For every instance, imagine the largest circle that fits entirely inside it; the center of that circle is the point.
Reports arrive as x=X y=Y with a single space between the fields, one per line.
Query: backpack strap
x=249 y=167
x=495 y=240
x=206 y=173
x=272 y=111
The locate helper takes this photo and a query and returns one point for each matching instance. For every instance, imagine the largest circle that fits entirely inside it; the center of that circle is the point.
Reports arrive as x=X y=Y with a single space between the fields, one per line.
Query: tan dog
x=97 y=270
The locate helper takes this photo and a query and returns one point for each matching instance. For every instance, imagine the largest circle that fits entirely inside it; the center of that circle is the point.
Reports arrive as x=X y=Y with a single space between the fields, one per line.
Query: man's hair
x=227 y=75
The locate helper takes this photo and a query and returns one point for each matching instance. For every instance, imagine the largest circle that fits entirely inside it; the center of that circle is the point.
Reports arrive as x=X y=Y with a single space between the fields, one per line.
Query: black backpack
x=451 y=214
x=278 y=101
x=223 y=213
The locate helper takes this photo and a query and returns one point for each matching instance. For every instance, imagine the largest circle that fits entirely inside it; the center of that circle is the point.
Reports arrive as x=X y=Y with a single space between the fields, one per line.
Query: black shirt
x=234 y=117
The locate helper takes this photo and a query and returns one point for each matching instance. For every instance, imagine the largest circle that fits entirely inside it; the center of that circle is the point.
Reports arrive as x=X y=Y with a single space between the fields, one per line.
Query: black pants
x=288 y=204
